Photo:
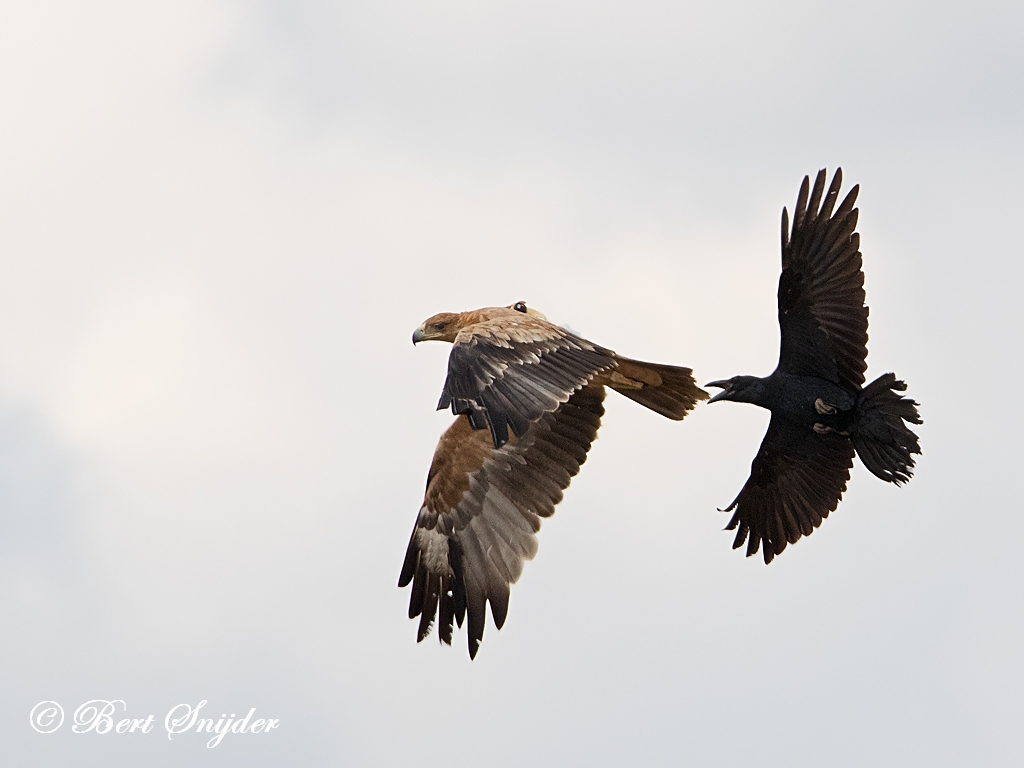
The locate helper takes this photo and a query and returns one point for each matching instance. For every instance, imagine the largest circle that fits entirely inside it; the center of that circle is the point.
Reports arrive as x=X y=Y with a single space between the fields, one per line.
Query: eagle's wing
x=482 y=509
x=509 y=371
x=822 y=316
x=796 y=479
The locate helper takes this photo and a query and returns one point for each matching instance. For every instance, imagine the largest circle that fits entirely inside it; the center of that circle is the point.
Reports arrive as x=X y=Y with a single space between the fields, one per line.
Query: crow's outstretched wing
x=822 y=316
x=796 y=479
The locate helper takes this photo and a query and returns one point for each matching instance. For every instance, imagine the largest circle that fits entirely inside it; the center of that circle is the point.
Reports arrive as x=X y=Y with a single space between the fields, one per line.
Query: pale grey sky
x=219 y=225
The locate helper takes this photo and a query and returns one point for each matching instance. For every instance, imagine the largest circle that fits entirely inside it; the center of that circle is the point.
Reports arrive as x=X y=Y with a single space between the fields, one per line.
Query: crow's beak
x=418 y=335
x=723 y=384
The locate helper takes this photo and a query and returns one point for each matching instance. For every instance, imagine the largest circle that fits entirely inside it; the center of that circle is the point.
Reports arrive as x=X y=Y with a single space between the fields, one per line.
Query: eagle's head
x=444 y=326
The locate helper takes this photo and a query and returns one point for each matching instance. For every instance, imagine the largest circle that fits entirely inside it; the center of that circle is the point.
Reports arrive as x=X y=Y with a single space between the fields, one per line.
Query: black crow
x=821 y=411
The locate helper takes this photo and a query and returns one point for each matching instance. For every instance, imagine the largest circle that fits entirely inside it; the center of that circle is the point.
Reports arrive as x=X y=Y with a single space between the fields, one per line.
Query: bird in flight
x=528 y=397
x=821 y=411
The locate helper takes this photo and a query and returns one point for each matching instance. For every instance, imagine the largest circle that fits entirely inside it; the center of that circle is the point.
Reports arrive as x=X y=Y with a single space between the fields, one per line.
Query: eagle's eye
x=519 y=306
x=440 y=326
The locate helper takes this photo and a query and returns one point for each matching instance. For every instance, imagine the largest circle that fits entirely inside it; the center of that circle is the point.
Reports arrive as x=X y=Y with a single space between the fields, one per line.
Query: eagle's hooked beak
x=725 y=385
x=418 y=335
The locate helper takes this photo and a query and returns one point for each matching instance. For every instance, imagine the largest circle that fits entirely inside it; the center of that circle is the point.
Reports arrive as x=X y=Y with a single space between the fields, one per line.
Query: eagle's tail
x=665 y=389
x=883 y=441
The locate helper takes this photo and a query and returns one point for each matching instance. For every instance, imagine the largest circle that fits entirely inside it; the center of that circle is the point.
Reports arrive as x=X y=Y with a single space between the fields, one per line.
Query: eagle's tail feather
x=665 y=389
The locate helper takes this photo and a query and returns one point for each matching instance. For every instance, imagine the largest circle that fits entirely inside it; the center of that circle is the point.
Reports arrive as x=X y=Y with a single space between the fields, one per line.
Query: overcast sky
x=220 y=223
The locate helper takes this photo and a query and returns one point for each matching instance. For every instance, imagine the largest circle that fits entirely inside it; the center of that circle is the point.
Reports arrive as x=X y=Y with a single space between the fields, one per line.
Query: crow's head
x=740 y=389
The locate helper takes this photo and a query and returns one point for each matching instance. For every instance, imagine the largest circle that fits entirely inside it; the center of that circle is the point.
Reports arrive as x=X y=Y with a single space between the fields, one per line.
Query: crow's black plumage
x=821 y=411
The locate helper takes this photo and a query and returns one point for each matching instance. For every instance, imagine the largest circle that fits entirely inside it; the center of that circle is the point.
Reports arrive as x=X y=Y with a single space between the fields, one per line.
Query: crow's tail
x=883 y=441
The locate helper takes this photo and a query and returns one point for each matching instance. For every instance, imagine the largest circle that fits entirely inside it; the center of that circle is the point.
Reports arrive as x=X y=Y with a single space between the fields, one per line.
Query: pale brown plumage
x=538 y=389
x=507 y=367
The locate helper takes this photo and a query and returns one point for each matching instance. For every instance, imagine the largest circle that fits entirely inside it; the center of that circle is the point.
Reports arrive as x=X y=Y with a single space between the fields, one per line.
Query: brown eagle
x=528 y=398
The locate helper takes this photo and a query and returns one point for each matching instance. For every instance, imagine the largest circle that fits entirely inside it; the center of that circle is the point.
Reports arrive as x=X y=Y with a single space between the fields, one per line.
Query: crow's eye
x=519 y=306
